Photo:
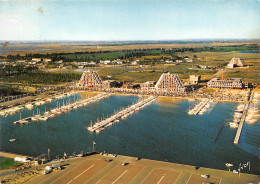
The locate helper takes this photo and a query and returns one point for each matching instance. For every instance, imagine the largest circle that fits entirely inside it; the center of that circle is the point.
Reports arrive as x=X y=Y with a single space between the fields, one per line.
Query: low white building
x=92 y=63
x=47 y=60
x=37 y=59
x=134 y=63
x=105 y=62
x=21 y=159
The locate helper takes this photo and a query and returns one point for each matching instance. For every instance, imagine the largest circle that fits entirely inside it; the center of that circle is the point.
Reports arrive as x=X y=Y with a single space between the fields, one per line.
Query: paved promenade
x=94 y=169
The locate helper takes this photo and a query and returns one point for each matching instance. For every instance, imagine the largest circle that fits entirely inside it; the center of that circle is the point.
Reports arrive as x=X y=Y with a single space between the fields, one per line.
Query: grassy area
x=96 y=56
x=110 y=55
x=251 y=76
x=9 y=90
x=150 y=73
x=48 y=78
x=221 y=56
x=114 y=46
x=6 y=163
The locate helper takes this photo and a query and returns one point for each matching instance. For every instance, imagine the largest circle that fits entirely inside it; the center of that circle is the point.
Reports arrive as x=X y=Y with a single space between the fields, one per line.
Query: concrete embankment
x=11 y=155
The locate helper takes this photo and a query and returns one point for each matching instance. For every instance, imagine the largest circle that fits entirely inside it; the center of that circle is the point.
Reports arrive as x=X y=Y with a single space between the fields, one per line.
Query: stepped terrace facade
x=89 y=79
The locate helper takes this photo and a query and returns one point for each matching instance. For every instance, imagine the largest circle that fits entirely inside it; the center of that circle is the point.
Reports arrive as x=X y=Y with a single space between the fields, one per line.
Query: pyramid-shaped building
x=235 y=62
x=90 y=79
x=169 y=83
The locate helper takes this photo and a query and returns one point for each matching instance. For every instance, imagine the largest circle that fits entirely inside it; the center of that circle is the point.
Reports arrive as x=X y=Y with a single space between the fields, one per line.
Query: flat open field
x=152 y=71
x=94 y=169
x=44 y=48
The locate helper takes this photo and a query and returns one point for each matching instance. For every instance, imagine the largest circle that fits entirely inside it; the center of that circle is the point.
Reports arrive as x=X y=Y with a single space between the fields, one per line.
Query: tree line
x=39 y=77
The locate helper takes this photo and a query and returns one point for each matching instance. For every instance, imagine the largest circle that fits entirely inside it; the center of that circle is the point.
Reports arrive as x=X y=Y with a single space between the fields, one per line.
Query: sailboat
x=36 y=117
x=22 y=121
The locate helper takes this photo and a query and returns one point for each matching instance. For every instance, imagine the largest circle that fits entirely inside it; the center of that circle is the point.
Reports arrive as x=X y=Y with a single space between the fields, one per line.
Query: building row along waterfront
x=235 y=83
x=167 y=83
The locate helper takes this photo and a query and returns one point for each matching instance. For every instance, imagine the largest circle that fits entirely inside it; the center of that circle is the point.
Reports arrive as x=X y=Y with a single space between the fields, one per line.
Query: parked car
x=46 y=172
x=125 y=163
x=205 y=175
x=109 y=160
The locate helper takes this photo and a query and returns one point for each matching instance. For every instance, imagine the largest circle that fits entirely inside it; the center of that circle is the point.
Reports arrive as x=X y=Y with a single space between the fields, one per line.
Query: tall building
x=235 y=62
x=90 y=79
x=169 y=83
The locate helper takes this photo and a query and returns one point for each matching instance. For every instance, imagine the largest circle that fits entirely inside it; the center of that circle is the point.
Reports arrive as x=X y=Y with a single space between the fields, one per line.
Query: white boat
x=252 y=121
x=204 y=176
x=29 y=106
x=233 y=125
x=238 y=115
x=229 y=165
x=12 y=140
x=48 y=100
x=35 y=118
x=44 y=118
x=17 y=108
x=23 y=121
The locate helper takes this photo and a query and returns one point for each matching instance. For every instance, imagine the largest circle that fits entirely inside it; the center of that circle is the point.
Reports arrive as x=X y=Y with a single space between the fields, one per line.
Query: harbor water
x=161 y=131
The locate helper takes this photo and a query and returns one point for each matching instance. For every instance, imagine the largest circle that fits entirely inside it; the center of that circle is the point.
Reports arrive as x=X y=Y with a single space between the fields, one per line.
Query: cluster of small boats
x=237 y=116
x=252 y=115
x=255 y=98
x=30 y=106
x=11 y=111
x=200 y=108
x=62 y=109
x=99 y=126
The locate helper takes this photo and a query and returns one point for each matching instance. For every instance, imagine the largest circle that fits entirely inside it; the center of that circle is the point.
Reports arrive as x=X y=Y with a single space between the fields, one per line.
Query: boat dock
x=65 y=108
x=242 y=120
x=30 y=105
x=23 y=121
x=201 y=107
x=99 y=126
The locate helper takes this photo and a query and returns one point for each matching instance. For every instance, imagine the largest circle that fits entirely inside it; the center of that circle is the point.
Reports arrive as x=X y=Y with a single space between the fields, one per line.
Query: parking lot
x=106 y=170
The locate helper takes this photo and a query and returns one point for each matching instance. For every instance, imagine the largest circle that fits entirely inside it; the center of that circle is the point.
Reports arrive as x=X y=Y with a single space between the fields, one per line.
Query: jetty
x=23 y=121
x=99 y=126
x=200 y=108
x=242 y=120
x=63 y=109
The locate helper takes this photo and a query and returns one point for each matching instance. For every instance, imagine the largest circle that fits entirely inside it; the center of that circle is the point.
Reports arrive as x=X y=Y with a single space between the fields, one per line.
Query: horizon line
x=148 y=40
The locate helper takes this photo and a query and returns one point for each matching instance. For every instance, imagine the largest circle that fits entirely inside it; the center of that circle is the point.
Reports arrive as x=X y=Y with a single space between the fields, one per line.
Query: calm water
x=251 y=52
x=162 y=131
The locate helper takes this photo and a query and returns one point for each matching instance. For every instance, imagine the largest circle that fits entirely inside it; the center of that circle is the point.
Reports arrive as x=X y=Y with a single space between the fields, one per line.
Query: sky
x=102 y=20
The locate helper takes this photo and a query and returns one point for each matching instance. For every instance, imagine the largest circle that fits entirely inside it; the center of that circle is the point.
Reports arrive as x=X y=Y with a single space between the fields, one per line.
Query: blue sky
x=129 y=19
